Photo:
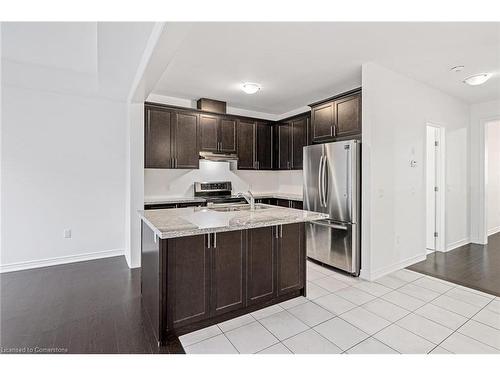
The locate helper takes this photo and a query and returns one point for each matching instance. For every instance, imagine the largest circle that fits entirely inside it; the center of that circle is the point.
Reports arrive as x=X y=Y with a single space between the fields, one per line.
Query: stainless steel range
x=217 y=192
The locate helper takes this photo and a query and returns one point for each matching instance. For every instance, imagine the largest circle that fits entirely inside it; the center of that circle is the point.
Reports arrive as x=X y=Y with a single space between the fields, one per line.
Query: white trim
x=441 y=184
x=394 y=267
x=457 y=244
x=493 y=230
x=483 y=142
x=59 y=260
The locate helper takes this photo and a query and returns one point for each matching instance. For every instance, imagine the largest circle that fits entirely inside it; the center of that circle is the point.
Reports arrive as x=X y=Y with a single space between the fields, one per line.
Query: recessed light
x=250 y=88
x=477 y=79
x=457 y=68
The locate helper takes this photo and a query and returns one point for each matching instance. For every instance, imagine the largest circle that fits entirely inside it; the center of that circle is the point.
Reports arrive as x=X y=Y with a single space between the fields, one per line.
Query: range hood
x=212 y=156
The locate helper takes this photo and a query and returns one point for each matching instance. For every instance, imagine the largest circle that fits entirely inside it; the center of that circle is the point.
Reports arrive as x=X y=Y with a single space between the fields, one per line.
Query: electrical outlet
x=67 y=233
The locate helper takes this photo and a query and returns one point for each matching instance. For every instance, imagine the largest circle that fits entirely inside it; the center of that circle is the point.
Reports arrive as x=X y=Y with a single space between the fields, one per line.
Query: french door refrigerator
x=332 y=186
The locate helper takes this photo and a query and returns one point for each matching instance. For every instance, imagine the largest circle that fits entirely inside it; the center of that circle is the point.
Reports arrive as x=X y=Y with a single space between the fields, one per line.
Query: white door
x=432 y=142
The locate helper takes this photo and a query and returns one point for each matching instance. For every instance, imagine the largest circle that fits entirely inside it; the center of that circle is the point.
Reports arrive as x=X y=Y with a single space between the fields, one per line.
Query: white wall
x=161 y=183
x=396 y=110
x=480 y=114
x=493 y=177
x=63 y=166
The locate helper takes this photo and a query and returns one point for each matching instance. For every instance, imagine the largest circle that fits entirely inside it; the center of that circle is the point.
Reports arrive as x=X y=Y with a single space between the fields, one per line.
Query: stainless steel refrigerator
x=332 y=185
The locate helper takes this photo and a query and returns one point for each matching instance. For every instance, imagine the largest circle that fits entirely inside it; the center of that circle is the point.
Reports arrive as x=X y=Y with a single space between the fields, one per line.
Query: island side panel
x=152 y=280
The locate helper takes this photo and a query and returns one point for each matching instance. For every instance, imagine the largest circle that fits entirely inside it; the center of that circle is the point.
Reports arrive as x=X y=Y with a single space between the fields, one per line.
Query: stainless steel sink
x=237 y=207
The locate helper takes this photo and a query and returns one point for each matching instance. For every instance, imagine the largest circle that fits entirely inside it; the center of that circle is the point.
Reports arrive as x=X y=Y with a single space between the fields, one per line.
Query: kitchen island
x=205 y=265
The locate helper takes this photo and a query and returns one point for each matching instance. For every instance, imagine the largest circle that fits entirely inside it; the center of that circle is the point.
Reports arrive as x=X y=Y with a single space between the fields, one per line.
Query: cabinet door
x=264 y=146
x=186 y=141
x=322 y=121
x=261 y=264
x=291 y=258
x=246 y=145
x=228 y=273
x=283 y=146
x=348 y=115
x=298 y=205
x=282 y=202
x=188 y=280
x=227 y=135
x=157 y=138
x=209 y=129
x=298 y=130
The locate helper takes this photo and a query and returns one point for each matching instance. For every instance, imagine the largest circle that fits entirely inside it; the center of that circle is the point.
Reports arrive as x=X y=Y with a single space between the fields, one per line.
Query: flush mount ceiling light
x=250 y=88
x=477 y=79
x=457 y=68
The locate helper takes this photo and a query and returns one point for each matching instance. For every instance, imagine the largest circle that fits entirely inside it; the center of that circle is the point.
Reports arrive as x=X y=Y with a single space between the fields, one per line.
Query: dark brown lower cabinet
x=188 y=280
x=261 y=265
x=228 y=271
x=291 y=250
x=192 y=282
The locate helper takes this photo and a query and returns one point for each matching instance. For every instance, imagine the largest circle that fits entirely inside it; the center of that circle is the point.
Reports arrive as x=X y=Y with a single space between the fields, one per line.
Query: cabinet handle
x=281 y=231
x=334 y=130
x=208 y=240
x=215 y=240
x=276 y=233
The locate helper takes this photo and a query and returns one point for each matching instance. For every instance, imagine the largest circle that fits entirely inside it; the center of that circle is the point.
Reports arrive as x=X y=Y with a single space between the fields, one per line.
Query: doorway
x=492 y=167
x=434 y=183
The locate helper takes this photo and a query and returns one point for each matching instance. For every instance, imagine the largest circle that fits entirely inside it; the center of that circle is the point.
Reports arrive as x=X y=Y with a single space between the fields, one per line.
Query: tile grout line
x=456 y=331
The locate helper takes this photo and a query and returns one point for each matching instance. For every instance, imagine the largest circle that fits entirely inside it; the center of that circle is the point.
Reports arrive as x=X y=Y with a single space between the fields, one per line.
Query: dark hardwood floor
x=473 y=266
x=85 y=307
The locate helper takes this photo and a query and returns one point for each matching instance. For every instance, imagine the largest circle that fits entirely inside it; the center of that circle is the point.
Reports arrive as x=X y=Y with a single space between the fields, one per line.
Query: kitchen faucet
x=249 y=198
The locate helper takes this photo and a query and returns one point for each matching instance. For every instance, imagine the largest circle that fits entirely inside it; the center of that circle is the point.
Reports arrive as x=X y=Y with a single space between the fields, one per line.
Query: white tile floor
x=404 y=312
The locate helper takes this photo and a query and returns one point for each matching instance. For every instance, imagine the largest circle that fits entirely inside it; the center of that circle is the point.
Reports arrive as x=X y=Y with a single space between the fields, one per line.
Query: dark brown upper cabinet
x=323 y=122
x=171 y=138
x=217 y=134
x=255 y=145
x=292 y=136
x=264 y=145
x=158 y=138
x=246 y=144
x=348 y=112
x=337 y=118
x=186 y=141
x=209 y=133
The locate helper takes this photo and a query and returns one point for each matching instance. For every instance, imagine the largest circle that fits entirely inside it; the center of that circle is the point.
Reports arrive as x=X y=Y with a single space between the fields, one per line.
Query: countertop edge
x=195 y=232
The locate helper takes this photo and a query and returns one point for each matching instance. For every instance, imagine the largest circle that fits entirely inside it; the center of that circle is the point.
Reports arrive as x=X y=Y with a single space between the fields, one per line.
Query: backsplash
x=179 y=182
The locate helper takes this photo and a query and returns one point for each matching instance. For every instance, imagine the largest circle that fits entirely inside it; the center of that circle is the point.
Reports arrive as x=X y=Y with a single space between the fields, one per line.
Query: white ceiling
x=82 y=58
x=299 y=63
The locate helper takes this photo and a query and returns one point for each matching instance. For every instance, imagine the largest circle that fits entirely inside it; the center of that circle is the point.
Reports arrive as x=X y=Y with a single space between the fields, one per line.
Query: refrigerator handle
x=324 y=188
x=348 y=195
x=319 y=181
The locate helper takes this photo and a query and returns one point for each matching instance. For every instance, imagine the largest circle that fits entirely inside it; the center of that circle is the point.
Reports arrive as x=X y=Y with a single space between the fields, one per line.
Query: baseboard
x=493 y=230
x=59 y=260
x=395 y=267
x=457 y=244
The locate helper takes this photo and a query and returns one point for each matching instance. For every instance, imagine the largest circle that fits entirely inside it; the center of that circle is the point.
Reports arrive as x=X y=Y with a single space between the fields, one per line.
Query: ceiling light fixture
x=457 y=68
x=477 y=79
x=250 y=88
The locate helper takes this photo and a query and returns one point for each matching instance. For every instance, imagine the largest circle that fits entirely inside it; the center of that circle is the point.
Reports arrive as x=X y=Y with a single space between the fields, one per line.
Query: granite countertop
x=189 y=221
x=174 y=200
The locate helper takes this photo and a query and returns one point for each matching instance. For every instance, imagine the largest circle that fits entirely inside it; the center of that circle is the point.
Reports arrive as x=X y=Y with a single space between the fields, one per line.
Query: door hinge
x=436 y=143
x=435 y=234
x=436 y=188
